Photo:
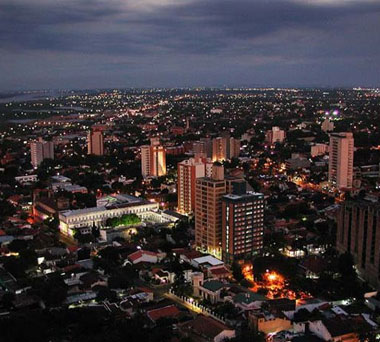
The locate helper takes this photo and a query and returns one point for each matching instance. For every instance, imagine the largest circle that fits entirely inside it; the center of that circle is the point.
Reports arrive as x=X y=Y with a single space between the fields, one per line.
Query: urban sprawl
x=186 y=215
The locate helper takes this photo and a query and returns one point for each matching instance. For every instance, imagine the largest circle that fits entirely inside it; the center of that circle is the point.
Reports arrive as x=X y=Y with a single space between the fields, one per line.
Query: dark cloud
x=128 y=42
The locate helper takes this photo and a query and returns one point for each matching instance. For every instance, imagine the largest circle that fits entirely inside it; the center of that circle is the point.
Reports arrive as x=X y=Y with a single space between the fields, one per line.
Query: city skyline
x=190 y=170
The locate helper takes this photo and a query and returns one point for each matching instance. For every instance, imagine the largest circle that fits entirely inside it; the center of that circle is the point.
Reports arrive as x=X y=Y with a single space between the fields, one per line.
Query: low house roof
x=167 y=311
x=248 y=298
x=208 y=259
x=138 y=254
x=213 y=285
x=338 y=327
x=206 y=326
x=220 y=270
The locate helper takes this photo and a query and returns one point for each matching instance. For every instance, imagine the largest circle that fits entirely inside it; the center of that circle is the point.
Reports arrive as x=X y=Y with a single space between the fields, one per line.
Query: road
x=184 y=304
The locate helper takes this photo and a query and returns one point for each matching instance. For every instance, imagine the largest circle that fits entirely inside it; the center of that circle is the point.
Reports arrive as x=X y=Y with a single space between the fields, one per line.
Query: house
x=143 y=256
x=133 y=302
x=205 y=262
x=196 y=279
x=313 y=266
x=219 y=272
x=170 y=311
x=164 y=277
x=279 y=305
x=90 y=279
x=211 y=289
x=306 y=338
x=334 y=330
x=269 y=323
x=248 y=300
x=187 y=255
x=206 y=329
x=143 y=293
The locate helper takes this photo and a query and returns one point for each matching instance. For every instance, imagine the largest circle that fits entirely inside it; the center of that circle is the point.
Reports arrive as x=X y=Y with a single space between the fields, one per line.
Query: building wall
x=158 y=161
x=82 y=218
x=234 y=148
x=188 y=171
x=145 y=160
x=219 y=149
x=242 y=226
x=208 y=214
x=225 y=335
x=273 y=325
x=153 y=160
x=40 y=150
x=341 y=160
x=327 y=125
x=318 y=150
x=275 y=135
x=95 y=143
x=358 y=231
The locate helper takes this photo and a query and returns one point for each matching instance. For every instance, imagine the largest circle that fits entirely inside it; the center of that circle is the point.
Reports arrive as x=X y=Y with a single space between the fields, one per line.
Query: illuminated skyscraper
x=219 y=149
x=208 y=209
x=188 y=171
x=203 y=147
x=341 y=160
x=275 y=135
x=95 y=143
x=358 y=229
x=242 y=224
x=208 y=212
x=40 y=150
x=153 y=159
x=233 y=148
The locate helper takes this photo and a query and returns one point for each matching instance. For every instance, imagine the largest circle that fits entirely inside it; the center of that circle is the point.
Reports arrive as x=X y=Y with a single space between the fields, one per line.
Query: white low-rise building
x=26 y=179
x=108 y=207
x=206 y=261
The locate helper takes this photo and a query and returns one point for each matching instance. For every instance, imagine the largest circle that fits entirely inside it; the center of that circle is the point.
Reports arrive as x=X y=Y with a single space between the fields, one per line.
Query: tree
x=15 y=267
x=6 y=209
x=227 y=310
x=351 y=288
x=104 y=293
x=125 y=220
x=7 y=300
x=237 y=272
x=28 y=257
x=52 y=290
x=84 y=253
x=17 y=245
x=181 y=287
x=95 y=231
x=119 y=280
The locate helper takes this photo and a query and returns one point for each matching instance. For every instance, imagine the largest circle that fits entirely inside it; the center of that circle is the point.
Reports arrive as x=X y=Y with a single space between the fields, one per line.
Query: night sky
x=169 y=43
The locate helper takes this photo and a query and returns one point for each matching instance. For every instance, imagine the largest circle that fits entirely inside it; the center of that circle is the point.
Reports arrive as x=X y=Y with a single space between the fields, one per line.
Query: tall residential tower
x=40 y=150
x=341 y=160
x=153 y=159
x=188 y=171
x=242 y=224
x=358 y=232
x=95 y=143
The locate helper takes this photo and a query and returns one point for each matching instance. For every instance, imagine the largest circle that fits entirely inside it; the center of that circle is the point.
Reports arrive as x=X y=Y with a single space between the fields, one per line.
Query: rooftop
x=213 y=285
x=167 y=311
x=109 y=203
x=248 y=195
x=208 y=259
x=206 y=326
x=248 y=298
